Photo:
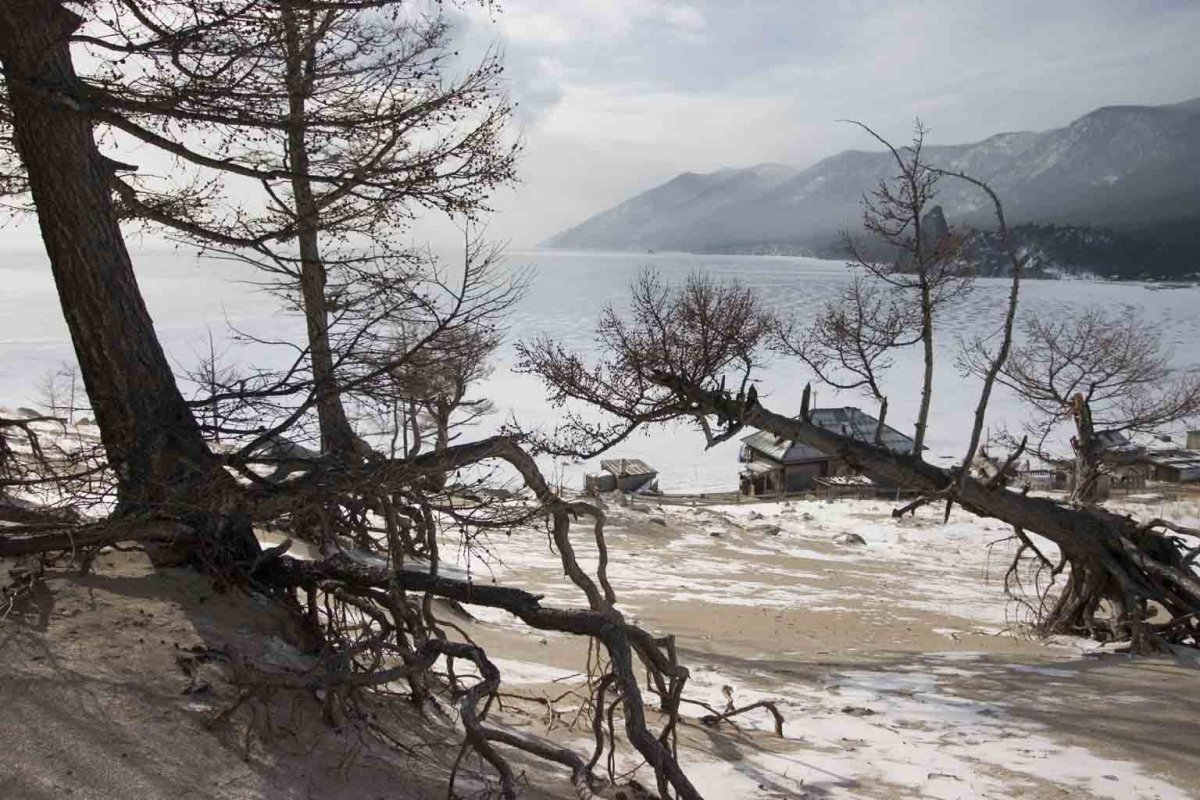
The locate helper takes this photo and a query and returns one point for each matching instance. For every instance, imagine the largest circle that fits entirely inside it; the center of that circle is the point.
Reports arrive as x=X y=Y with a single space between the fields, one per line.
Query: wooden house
x=623 y=474
x=778 y=466
x=1130 y=464
x=1171 y=465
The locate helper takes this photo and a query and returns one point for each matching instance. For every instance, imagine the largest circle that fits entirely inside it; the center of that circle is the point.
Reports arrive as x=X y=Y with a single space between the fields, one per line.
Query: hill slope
x=1130 y=168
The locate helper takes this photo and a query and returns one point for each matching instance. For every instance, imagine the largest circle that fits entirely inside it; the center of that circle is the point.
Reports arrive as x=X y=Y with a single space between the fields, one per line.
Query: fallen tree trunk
x=1113 y=558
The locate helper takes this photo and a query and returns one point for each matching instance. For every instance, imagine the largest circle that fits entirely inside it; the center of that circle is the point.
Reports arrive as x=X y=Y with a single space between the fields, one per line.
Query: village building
x=622 y=474
x=1154 y=462
x=1171 y=465
x=1131 y=464
x=779 y=466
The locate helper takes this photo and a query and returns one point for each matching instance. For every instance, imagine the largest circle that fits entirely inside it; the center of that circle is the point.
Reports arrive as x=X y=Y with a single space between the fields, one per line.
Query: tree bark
x=1087 y=454
x=153 y=443
x=149 y=433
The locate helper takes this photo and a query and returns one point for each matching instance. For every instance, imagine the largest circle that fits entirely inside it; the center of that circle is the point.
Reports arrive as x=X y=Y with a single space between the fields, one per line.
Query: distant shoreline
x=1159 y=282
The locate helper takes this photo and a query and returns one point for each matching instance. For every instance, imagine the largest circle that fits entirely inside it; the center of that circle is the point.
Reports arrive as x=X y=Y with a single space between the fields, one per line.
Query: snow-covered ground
x=899 y=664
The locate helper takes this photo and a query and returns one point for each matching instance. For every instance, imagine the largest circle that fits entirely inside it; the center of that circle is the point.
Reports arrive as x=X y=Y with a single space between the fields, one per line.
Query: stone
x=850 y=540
x=858 y=711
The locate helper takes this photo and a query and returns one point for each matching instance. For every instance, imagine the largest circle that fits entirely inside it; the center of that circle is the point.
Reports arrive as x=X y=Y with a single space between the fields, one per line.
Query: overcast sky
x=617 y=96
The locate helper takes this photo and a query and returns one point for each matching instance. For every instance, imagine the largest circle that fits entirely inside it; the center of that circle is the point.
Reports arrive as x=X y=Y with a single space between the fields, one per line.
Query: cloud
x=706 y=129
x=686 y=22
x=549 y=24
x=624 y=94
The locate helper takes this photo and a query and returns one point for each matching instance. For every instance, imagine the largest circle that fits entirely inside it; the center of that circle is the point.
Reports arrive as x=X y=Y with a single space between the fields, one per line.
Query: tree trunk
x=442 y=411
x=1113 y=557
x=1087 y=455
x=337 y=437
x=927 y=378
x=151 y=439
x=148 y=432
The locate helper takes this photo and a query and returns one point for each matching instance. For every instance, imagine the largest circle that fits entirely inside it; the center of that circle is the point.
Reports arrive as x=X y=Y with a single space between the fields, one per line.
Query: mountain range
x=1120 y=185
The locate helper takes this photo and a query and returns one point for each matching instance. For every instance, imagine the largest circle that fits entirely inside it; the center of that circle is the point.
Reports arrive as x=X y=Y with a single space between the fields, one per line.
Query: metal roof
x=848 y=421
x=1177 y=458
x=782 y=450
x=1116 y=441
x=627 y=467
x=759 y=467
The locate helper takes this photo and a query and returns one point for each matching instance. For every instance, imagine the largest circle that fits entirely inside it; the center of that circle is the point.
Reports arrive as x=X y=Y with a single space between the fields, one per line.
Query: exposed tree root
x=372 y=622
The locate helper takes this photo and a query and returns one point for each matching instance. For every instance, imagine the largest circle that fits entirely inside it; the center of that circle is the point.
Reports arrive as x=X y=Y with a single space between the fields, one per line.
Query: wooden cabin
x=779 y=466
x=1130 y=464
x=623 y=474
x=1171 y=465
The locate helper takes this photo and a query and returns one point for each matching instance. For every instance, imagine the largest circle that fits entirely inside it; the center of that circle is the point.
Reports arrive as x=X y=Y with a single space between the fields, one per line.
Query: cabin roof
x=848 y=420
x=759 y=467
x=1116 y=441
x=627 y=467
x=1178 y=458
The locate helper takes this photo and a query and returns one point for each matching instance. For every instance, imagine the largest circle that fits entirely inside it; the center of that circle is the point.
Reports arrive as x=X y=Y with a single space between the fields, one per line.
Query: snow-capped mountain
x=1124 y=167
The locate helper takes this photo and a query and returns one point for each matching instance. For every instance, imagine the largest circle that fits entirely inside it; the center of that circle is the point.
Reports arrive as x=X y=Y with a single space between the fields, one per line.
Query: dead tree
x=992 y=365
x=923 y=262
x=652 y=373
x=60 y=392
x=851 y=343
x=426 y=395
x=1096 y=370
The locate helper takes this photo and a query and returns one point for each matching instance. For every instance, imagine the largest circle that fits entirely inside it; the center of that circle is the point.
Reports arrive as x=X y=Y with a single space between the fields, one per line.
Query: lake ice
x=188 y=297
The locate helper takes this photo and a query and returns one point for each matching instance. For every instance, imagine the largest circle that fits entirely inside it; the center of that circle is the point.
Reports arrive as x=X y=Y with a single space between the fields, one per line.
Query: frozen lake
x=188 y=297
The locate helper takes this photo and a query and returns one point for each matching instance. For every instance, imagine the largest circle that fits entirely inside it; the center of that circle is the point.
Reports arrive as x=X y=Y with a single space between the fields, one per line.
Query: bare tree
x=153 y=443
x=60 y=392
x=216 y=376
x=305 y=136
x=430 y=391
x=704 y=331
x=373 y=620
x=1096 y=370
x=668 y=359
x=991 y=366
x=924 y=264
x=851 y=343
